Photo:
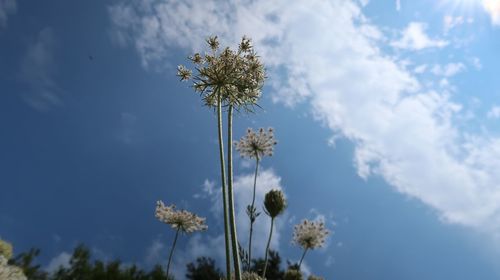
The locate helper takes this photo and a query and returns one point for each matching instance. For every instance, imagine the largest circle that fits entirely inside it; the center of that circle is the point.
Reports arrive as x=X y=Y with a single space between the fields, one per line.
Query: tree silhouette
x=204 y=269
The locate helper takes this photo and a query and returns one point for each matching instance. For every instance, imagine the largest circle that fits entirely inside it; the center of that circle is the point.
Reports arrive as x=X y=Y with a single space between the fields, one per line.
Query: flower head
x=5 y=249
x=183 y=73
x=182 y=220
x=274 y=203
x=310 y=234
x=234 y=77
x=9 y=272
x=257 y=145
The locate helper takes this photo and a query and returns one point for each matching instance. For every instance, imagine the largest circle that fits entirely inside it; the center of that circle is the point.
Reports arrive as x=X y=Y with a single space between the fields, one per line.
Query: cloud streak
x=6 y=7
x=37 y=71
x=329 y=55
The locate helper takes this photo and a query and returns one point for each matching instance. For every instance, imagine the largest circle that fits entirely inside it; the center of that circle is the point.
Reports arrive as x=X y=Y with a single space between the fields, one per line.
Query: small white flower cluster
x=183 y=220
x=256 y=145
x=310 y=234
x=10 y=272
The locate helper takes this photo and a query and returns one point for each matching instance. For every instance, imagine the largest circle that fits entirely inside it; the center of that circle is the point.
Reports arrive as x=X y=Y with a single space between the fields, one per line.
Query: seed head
x=274 y=203
x=256 y=145
x=236 y=77
x=310 y=234
x=312 y=277
x=185 y=221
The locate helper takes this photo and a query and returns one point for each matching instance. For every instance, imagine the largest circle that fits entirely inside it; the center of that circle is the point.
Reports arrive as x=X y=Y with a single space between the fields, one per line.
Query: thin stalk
x=232 y=222
x=224 y=191
x=267 y=248
x=172 y=250
x=252 y=209
x=301 y=259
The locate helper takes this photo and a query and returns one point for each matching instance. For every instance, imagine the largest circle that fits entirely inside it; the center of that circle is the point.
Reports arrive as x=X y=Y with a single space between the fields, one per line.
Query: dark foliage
x=204 y=269
x=81 y=267
x=273 y=271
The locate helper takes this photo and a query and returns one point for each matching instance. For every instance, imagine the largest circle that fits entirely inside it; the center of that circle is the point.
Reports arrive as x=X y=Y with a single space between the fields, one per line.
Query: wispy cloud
x=448 y=70
x=61 y=260
x=127 y=131
x=415 y=38
x=398 y=5
x=318 y=52
x=494 y=112
x=37 y=71
x=6 y=7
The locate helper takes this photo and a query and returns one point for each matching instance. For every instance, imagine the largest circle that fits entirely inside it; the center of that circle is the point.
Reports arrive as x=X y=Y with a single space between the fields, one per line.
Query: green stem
x=267 y=248
x=252 y=209
x=224 y=191
x=232 y=222
x=172 y=250
x=301 y=259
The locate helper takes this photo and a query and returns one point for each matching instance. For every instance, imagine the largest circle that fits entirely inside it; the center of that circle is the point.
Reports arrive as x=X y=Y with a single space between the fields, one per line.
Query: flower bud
x=275 y=203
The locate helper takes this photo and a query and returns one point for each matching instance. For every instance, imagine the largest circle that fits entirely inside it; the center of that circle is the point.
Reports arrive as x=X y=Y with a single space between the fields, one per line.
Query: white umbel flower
x=10 y=272
x=257 y=145
x=310 y=234
x=183 y=220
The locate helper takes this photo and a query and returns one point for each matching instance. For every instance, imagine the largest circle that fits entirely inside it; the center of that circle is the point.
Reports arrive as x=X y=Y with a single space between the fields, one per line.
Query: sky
x=386 y=115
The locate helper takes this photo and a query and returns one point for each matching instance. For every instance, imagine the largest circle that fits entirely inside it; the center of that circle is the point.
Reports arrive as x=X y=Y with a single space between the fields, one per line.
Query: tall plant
x=232 y=80
x=256 y=146
x=181 y=221
x=275 y=204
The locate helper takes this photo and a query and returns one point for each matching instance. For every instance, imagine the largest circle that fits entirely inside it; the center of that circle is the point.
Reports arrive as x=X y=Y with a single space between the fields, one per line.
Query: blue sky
x=386 y=115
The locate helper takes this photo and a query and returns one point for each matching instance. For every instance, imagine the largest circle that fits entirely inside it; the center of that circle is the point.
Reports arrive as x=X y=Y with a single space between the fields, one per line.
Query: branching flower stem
x=252 y=218
x=224 y=190
x=172 y=250
x=232 y=221
x=267 y=248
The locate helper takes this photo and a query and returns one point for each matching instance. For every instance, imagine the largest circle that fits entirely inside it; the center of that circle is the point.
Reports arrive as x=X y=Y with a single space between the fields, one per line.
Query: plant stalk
x=301 y=259
x=252 y=209
x=232 y=222
x=267 y=248
x=172 y=251
x=224 y=190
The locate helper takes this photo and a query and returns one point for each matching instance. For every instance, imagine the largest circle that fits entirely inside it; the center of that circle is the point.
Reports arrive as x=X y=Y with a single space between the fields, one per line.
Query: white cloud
x=61 y=260
x=6 y=7
x=415 y=38
x=492 y=7
x=420 y=69
x=494 y=112
x=155 y=252
x=448 y=70
x=37 y=71
x=319 y=52
x=476 y=62
x=450 y=22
